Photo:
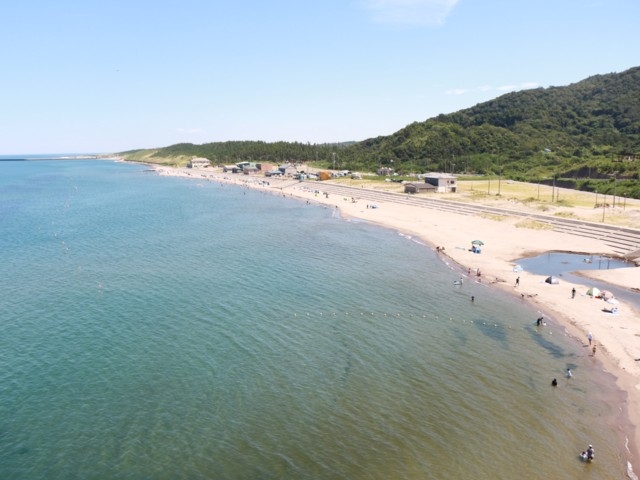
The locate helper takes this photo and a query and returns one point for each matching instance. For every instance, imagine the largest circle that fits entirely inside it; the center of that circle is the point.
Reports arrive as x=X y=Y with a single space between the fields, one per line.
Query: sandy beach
x=617 y=337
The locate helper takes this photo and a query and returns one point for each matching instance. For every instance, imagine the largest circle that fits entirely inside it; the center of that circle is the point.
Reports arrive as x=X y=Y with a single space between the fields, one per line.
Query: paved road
x=624 y=241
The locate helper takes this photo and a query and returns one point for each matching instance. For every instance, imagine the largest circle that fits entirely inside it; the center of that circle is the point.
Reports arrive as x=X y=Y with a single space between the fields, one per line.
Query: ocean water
x=165 y=328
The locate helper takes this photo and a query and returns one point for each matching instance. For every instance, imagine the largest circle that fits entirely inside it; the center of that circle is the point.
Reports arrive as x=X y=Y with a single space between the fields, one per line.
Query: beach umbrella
x=594 y=292
x=477 y=242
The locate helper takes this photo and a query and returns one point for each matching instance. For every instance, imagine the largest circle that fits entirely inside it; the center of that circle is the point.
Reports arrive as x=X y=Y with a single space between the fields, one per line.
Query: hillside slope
x=582 y=132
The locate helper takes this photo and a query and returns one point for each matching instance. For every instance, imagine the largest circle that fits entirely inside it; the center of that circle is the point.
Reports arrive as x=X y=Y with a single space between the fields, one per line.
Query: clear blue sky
x=112 y=75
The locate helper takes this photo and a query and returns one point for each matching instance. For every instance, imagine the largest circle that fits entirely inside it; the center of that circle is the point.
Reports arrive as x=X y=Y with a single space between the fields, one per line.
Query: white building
x=199 y=163
x=444 y=182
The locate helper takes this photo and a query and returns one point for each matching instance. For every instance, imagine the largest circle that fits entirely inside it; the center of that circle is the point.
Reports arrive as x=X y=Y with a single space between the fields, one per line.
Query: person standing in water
x=590 y=453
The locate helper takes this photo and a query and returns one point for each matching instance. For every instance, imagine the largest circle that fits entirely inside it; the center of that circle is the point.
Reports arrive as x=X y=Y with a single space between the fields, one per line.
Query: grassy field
x=148 y=156
x=544 y=199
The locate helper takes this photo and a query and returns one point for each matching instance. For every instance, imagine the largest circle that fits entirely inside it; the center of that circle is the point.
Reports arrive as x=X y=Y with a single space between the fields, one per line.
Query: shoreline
x=617 y=337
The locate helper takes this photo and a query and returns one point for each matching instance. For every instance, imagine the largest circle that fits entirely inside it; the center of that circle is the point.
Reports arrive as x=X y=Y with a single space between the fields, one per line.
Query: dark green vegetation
x=585 y=136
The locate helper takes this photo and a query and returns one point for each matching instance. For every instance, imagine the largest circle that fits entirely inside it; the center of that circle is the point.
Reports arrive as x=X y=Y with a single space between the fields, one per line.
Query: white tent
x=593 y=292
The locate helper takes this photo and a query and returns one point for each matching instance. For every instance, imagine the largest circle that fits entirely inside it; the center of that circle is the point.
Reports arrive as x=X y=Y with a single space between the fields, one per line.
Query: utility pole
x=488 y=182
x=499 y=174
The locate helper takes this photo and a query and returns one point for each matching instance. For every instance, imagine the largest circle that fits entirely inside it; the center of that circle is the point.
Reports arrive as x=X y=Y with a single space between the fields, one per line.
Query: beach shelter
x=552 y=280
x=606 y=294
x=476 y=246
x=594 y=292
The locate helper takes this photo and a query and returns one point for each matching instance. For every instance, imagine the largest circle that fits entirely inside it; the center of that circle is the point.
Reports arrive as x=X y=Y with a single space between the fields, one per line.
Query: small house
x=443 y=182
x=288 y=169
x=417 y=187
x=199 y=163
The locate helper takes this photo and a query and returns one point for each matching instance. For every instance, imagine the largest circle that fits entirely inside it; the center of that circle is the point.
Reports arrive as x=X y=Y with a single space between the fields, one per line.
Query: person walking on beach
x=569 y=374
x=517 y=281
x=590 y=337
x=573 y=293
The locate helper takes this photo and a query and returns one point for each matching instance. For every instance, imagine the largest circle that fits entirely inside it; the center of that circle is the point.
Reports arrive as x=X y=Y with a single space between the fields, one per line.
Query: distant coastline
x=30 y=158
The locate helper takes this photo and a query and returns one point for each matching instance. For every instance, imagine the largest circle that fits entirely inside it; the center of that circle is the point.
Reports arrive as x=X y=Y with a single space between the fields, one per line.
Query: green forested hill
x=586 y=130
x=236 y=151
x=541 y=132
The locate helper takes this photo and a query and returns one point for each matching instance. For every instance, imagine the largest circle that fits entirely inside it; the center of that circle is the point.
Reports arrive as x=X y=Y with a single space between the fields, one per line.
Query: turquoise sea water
x=164 y=328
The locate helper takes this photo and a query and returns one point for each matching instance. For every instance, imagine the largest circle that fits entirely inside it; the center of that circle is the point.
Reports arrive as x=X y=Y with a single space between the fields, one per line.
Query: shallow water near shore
x=558 y=263
x=564 y=265
x=158 y=327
